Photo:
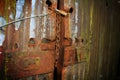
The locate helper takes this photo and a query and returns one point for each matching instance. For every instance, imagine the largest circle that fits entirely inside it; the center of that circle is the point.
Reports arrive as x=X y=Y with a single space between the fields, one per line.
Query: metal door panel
x=54 y=43
x=28 y=63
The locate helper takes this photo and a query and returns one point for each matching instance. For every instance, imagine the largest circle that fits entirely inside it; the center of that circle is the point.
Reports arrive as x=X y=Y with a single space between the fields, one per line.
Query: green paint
x=9 y=7
x=78 y=54
x=101 y=46
x=89 y=35
x=86 y=3
x=6 y=10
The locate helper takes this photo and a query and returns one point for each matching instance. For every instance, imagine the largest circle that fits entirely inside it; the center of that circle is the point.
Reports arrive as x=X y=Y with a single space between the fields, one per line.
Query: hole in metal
x=31 y=41
x=16 y=46
x=82 y=40
x=71 y=10
x=49 y=3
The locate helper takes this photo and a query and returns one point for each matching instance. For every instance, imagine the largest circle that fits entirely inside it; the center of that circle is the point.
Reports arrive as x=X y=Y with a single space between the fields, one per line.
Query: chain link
x=58 y=35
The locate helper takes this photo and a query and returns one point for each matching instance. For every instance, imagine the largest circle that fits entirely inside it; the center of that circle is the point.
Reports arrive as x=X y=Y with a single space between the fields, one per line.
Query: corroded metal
x=91 y=20
x=1 y=57
x=70 y=56
x=50 y=50
x=29 y=63
x=1 y=63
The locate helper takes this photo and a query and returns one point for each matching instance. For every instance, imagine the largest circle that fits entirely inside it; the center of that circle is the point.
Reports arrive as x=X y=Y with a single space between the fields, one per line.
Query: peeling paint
x=11 y=16
x=2 y=38
x=2 y=35
x=19 y=12
x=76 y=20
x=45 y=22
x=32 y=21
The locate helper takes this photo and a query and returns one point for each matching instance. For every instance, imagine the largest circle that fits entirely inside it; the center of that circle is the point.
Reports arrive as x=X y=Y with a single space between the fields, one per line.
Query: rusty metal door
x=47 y=47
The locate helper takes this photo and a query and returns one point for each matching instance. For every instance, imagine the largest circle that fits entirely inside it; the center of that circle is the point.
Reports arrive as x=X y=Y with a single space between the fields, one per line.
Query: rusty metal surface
x=1 y=58
x=48 y=76
x=37 y=46
x=95 y=21
x=70 y=56
x=29 y=63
